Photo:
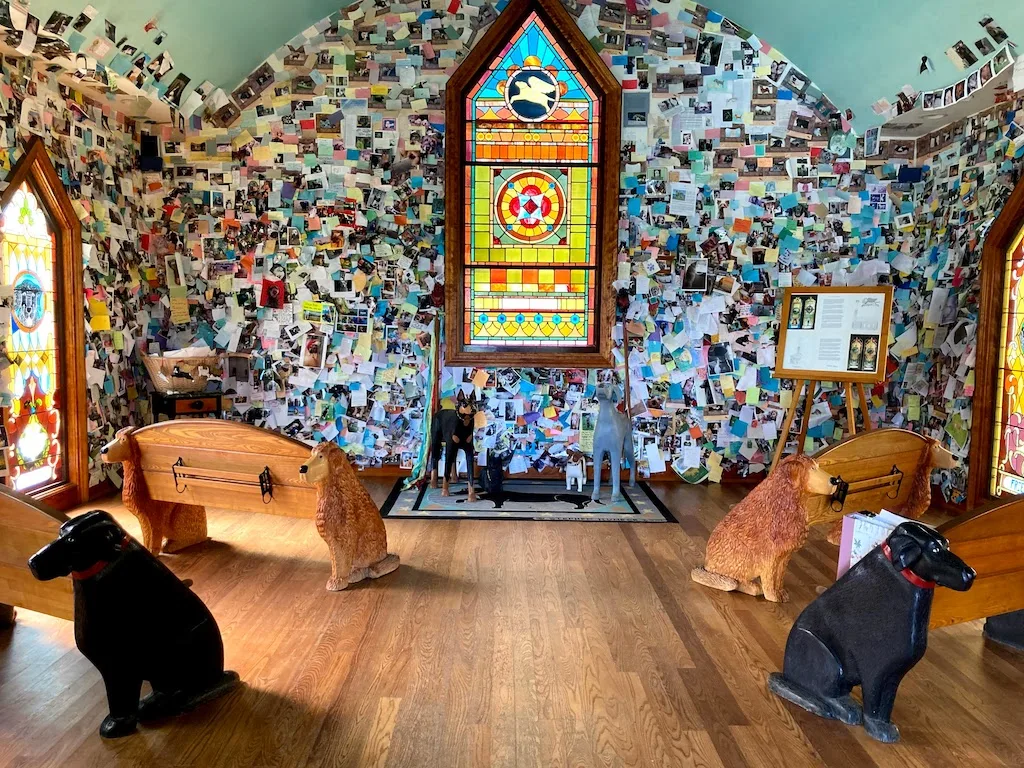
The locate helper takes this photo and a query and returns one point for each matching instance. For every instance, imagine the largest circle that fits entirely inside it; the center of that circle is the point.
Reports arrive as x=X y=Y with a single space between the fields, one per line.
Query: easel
x=841 y=307
x=811 y=385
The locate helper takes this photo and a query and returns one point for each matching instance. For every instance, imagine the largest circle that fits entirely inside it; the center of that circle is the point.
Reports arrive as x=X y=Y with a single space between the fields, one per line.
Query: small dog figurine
x=135 y=621
x=576 y=473
x=453 y=430
x=757 y=537
x=869 y=629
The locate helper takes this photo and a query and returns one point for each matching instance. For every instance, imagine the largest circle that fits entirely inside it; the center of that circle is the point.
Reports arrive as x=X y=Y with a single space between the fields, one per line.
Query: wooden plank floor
x=504 y=644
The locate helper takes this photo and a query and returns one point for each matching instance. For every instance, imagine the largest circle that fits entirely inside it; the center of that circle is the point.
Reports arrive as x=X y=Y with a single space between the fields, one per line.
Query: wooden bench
x=225 y=464
x=881 y=467
x=992 y=542
x=26 y=526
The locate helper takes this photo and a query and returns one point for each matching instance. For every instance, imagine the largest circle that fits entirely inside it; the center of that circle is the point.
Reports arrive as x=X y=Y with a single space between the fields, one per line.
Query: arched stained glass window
x=44 y=382
x=33 y=423
x=532 y=131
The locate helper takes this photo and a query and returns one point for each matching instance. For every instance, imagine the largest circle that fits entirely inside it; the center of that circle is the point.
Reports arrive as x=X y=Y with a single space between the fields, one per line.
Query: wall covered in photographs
x=94 y=153
x=299 y=221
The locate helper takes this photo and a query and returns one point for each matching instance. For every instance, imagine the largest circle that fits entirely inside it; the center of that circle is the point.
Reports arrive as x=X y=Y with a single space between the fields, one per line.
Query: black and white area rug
x=528 y=500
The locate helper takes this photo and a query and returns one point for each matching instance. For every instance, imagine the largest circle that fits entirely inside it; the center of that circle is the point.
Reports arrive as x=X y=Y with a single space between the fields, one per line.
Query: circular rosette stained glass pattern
x=530 y=206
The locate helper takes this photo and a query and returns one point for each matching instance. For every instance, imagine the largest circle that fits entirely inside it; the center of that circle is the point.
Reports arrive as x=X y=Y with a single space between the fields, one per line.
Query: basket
x=171 y=374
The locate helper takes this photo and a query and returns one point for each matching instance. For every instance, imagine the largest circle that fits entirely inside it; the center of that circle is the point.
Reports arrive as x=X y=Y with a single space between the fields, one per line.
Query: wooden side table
x=187 y=405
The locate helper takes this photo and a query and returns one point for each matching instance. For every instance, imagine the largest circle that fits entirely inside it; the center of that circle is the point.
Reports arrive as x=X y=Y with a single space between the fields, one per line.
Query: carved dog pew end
x=347 y=519
x=756 y=539
x=135 y=621
x=869 y=629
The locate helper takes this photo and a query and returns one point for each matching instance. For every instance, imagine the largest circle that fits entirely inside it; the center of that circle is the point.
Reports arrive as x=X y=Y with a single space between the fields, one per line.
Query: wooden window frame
x=36 y=168
x=986 y=385
x=565 y=30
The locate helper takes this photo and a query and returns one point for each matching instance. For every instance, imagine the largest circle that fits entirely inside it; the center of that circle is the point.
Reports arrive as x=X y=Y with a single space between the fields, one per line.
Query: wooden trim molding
x=607 y=88
x=986 y=376
x=35 y=167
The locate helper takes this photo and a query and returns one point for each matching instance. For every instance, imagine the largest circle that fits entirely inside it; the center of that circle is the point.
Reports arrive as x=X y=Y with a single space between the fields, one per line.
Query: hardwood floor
x=505 y=644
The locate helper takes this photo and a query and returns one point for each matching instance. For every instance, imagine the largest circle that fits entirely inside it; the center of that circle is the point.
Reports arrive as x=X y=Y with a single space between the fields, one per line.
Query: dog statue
x=347 y=519
x=183 y=524
x=869 y=629
x=757 y=537
x=613 y=435
x=453 y=430
x=135 y=621
x=576 y=474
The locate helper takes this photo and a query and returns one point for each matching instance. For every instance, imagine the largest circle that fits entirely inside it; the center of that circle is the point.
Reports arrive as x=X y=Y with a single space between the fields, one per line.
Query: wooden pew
x=225 y=464
x=992 y=542
x=880 y=466
x=26 y=526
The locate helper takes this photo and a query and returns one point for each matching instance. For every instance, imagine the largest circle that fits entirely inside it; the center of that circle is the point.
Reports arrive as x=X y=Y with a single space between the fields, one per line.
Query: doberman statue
x=453 y=430
x=869 y=629
x=135 y=620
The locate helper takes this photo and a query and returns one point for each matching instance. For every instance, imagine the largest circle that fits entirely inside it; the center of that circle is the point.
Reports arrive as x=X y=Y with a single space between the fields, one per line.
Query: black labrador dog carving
x=869 y=629
x=135 y=620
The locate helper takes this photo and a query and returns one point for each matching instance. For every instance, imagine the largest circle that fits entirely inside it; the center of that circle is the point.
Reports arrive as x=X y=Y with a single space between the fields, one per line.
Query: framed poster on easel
x=839 y=334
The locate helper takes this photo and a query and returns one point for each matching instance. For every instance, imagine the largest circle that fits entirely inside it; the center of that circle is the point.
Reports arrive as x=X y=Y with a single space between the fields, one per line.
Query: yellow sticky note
x=753 y=395
x=118 y=338
x=179 y=310
x=786 y=398
x=100 y=323
x=97 y=307
x=550 y=412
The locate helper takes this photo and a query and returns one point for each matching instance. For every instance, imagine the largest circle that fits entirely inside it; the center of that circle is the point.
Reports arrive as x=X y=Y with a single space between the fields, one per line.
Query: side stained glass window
x=531 y=179
x=33 y=420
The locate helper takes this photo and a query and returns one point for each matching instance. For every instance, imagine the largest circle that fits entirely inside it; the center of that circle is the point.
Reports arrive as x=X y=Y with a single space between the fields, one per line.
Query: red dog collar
x=908 y=574
x=99 y=565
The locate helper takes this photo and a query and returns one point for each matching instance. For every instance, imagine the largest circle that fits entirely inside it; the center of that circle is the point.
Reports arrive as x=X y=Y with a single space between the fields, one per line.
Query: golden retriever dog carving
x=756 y=539
x=182 y=524
x=347 y=519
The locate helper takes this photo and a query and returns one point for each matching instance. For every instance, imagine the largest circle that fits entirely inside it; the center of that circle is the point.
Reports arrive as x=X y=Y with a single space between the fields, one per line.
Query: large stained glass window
x=1008 y=451
x=33 y=420
x=530 y=247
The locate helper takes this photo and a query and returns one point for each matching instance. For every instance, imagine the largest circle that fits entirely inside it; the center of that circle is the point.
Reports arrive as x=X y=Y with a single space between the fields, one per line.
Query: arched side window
x=532 y=177
x=43 y=340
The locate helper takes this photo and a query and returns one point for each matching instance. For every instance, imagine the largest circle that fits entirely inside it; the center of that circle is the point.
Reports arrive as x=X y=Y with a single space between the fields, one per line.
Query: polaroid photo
x=709 y=49
x=984 y=46
x=871 y=143
x=776 y=71
x=993 y=30
x=961 y=55
x=960 y=90
x=720 y=360
x=986 y=73
x=1000 y=61
x=314 y=350
x=797 y=82
x=695 y=276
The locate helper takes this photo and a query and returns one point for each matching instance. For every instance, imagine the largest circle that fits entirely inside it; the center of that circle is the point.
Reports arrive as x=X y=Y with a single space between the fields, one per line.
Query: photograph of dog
x=869 y=629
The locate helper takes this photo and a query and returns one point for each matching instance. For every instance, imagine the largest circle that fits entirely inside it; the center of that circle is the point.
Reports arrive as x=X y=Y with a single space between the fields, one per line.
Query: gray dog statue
x=613 y=435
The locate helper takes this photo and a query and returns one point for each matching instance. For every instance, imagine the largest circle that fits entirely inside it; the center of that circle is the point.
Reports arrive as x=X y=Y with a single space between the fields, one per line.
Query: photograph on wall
x=695 y=275
x=720 y=360
x=709 y=49
x=272 y=293
x=314 y=350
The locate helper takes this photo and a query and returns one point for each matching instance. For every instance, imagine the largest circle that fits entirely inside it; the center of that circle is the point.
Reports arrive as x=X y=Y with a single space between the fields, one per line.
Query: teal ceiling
x=857 y=52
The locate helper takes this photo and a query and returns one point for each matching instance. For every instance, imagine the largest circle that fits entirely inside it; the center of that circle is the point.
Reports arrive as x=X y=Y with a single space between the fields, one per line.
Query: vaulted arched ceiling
x=857 y=51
